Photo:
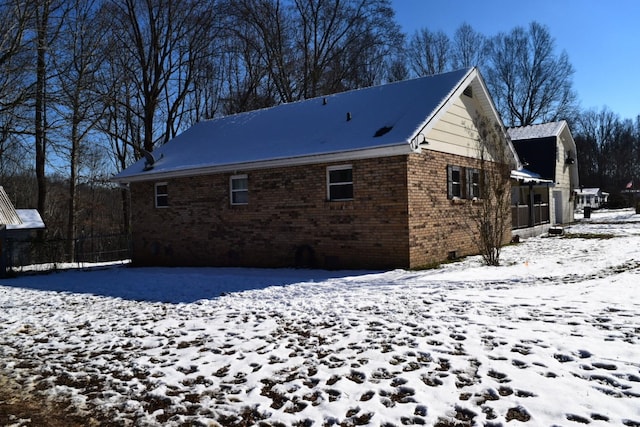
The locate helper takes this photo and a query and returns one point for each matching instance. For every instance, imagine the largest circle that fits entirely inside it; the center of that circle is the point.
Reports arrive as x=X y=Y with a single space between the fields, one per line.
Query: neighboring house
x=591 y=197
x=15 y=225
x=382 y=177
x=529 y=203
x=548 y=155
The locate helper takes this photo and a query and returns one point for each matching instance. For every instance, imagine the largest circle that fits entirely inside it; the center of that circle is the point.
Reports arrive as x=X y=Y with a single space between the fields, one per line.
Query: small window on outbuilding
x=162 y=195
x=239 y=189
x=340 y=182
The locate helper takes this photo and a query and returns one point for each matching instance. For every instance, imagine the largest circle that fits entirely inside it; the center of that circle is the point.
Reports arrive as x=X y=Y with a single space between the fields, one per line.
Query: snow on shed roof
x=18 y=219
x=30 y=219
x=542 y=130
x=8 y=214
x=340 y=123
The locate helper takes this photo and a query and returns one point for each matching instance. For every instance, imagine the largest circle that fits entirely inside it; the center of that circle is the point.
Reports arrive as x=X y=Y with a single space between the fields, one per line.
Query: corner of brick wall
x=439 y=227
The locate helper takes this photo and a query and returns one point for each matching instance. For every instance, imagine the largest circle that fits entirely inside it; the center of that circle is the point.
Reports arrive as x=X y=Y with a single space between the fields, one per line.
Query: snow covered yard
x=550 y=338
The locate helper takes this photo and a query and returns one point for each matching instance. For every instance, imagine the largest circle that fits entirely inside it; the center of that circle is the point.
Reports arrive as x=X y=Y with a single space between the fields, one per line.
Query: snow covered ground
x=552 y=337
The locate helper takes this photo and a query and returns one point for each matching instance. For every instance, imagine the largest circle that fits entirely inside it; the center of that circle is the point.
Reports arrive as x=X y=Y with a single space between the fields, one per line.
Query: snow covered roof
x=8 y=214
x=527 y=176
x=542 y=130
x=30 y=219
x=18 y=219
x=362 y=123
x=590 y=191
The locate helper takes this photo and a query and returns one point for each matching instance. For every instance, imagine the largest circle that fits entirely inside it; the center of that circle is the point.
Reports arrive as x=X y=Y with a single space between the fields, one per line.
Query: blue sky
x=602 y=38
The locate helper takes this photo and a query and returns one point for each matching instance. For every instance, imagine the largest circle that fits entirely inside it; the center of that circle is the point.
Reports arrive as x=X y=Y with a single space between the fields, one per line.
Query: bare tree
x=77 y=62
x=491 y=214
x=261 y=55
x=15 y=18
x=120 y=124
x=397 y=71
x=596 y=132
x=332 y=34
x=253 y=53
x=468 y=48
x=528 y=80
x=429 y=52
x=287 y=50
x=16 y=79
x=42 y=25
x=161 y=39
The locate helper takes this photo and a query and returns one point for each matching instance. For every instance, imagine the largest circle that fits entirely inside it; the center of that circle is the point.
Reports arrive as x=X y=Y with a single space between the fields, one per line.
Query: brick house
x=382 y=177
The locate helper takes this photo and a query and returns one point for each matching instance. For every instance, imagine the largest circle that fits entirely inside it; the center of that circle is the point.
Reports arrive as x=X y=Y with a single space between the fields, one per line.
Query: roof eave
x=384 y=151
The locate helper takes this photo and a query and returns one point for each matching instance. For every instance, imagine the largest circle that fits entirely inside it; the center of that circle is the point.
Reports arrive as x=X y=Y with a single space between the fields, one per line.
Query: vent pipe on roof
x=324 y=101
x=149 y=159
x=348 y=116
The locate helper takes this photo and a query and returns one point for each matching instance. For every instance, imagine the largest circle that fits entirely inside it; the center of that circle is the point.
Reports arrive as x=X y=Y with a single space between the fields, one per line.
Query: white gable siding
x=453 y=133
x=456 y=133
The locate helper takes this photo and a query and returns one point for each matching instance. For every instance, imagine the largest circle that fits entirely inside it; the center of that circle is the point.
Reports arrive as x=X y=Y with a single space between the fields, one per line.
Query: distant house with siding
x=382 y=177
x=546 y=197
x=594 y=198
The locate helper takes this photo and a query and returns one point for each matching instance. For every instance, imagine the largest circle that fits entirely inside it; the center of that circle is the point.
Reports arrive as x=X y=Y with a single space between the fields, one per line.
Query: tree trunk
x=40 y=105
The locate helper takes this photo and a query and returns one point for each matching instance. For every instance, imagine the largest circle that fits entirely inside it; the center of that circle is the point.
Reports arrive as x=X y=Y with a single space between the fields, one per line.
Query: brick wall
x=288 y=220
x=439 y=227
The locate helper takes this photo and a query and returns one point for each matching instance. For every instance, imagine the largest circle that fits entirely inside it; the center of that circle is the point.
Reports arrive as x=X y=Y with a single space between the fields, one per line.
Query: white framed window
x=162 y=195
x=454 y=182
x=239 y=189
x=340 y=182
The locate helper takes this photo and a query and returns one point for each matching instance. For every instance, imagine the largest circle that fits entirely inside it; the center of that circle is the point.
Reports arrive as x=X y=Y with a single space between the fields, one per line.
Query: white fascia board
x=386 y=151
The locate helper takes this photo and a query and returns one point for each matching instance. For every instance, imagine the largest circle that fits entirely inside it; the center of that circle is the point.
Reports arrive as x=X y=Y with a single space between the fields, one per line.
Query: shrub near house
x=374 y=178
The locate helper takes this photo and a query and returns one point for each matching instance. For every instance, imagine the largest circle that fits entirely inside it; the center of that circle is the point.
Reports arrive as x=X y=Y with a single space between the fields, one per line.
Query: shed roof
x=30 y=219
x=542 y=130
x=381 y=119
x=18 y=219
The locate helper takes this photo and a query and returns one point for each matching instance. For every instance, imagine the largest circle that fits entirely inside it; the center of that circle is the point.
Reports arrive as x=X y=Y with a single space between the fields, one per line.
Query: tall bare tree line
x=608 y=151
x=87 y=85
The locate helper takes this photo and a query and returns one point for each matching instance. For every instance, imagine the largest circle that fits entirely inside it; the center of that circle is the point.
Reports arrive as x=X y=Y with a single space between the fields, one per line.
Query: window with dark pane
x=340 y=183
x=454 y=182
x=474 y=183
x=162 y=195
x=239 y=190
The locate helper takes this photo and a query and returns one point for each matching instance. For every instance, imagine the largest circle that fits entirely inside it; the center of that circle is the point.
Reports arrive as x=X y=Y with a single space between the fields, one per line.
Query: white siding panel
x=455 y=133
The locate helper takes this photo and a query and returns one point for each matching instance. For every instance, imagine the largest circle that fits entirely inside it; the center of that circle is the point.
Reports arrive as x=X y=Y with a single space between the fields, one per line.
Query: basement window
x=239 y=190
x=162 y=195
x=340 y=182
